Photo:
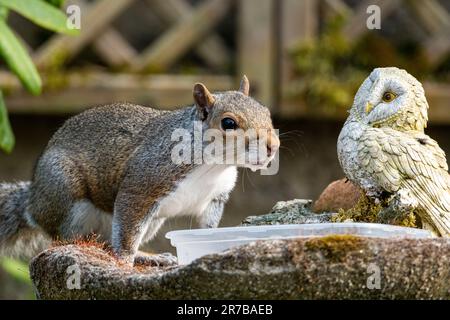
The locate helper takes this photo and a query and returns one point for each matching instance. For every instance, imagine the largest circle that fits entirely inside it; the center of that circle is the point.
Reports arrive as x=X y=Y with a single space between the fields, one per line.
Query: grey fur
x=17 y=236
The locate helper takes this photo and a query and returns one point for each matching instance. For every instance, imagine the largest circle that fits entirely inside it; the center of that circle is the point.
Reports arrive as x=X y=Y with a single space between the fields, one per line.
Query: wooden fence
x=264 y=32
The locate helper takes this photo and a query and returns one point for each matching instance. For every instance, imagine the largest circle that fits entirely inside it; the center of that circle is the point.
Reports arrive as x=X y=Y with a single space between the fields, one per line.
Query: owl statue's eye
x=388 y=96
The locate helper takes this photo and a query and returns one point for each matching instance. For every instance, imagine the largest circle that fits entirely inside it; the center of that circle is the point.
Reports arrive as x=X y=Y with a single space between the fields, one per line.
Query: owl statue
x=383 y=148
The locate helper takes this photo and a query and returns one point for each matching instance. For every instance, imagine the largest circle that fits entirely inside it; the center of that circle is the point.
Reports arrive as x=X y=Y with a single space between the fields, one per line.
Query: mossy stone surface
x=367 y=210
x=332 y=267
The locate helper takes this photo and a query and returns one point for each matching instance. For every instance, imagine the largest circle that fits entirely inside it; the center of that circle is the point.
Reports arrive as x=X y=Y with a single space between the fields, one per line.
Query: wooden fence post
x=299 y=23
x=257 y=47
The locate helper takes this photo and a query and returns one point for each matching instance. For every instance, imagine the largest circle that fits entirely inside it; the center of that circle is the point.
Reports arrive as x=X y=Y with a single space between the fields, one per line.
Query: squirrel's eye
x=229 y=124
x=388 y=96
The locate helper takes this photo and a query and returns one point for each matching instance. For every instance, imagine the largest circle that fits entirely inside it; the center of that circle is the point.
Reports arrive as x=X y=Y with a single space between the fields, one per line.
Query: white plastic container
x=194 y=243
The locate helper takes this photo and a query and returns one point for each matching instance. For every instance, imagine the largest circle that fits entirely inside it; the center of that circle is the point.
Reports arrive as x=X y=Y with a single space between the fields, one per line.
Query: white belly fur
x=190 y=197
x=197 y=189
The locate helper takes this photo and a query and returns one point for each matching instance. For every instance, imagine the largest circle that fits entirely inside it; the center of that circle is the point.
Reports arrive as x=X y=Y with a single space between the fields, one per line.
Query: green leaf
x=16 y=269
x=41 y=13
x=3 y=13
x=18 y=60
x=6 y=135
x=56 y=3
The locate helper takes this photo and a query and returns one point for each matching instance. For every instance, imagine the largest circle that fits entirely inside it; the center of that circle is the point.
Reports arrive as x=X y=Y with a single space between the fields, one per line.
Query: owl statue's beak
x=369 y=107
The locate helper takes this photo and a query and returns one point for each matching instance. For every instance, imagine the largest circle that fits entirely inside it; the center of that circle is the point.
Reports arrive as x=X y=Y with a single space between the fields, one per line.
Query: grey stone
x=333 y=267
x=295 y=211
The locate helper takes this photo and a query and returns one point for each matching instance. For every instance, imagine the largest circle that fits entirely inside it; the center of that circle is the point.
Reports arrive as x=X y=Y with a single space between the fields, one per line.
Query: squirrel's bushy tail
x=18 y=237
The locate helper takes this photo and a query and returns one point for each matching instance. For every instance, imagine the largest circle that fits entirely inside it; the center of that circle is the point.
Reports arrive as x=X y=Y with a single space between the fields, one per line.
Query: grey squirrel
x=109 y=171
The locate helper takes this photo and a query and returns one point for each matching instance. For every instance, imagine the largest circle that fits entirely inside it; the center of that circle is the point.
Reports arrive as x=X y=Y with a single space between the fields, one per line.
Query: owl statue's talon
x=383 y=148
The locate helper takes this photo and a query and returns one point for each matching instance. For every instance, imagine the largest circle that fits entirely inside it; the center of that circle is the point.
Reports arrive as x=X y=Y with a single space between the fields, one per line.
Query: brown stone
x=340 y=194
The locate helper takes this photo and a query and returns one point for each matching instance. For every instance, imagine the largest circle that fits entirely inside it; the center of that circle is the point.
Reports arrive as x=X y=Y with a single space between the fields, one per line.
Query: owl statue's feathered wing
x=383 y=149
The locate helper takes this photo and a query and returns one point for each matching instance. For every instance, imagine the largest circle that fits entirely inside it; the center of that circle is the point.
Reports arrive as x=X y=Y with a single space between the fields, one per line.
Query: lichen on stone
x=381 y=211
x=335 y=247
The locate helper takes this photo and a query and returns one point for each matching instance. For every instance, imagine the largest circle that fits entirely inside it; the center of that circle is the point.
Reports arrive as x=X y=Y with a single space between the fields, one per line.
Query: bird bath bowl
x=195 y=243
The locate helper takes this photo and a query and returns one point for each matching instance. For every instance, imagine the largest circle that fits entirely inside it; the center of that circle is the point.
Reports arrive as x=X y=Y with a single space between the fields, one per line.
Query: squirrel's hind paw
x=165 y=259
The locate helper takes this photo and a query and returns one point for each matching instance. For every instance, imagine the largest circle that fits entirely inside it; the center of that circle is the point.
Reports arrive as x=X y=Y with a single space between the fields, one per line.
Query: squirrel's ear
x=203 y=98
x=245 y=85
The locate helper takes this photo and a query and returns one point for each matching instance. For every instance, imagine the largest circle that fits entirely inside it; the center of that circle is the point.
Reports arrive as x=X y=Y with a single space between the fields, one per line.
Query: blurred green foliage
x=6 y=135
x=17 y=269
x=15 y=280
x=330 y=69
x=14 y=53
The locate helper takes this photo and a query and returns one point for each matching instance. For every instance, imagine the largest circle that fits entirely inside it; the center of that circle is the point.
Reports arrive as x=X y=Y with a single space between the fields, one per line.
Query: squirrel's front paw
x=156 y=260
